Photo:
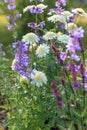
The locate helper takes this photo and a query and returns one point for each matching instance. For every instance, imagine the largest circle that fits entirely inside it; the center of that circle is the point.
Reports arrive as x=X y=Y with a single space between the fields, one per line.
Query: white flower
x=70 y=26
x=28 y=8
x=79 y=11
x=30 y=38
x=39 y=78
x=63 y=38
x=57 y=18
x=42 y=50
x=67 y=14
x=49 y=36
x=42 y=6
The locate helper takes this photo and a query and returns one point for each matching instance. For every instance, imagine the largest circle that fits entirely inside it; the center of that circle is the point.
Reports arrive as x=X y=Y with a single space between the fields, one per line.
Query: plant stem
x=71 y=86
x=36 y=12
x=68 y=106
x=82 y=123
x=83 y=56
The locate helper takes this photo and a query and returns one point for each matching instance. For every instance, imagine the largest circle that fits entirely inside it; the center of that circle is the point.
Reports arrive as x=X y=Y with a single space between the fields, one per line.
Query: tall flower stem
x=71 y=86
x=83 y=80
x=36 y=13
x=68 y=106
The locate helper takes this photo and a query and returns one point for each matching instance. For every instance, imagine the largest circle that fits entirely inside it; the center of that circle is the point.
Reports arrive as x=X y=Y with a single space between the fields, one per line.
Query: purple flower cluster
x=35 y=10
x=35 y=25
x=77 y=33
x=21 y=58
x=56 y=93
x=12 y=17
x=75 y=44
x=60 y=3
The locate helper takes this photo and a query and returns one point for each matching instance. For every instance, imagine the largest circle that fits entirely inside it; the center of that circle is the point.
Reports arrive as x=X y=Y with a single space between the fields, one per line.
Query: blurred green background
x=6 y=36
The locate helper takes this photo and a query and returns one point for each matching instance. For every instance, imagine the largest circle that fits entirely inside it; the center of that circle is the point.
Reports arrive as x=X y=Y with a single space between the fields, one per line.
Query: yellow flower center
x=38 y=78
x=41 y=49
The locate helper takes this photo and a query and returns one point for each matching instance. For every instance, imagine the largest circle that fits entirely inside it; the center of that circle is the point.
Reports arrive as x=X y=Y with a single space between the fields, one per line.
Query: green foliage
x=29 y=107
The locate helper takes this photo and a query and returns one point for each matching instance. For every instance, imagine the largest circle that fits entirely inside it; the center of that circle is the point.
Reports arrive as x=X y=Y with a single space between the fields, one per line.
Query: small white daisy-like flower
x=67 y=14
x=80 y=11
x=49 y=36
x=39 y=78
x=42 y=50
x=42 y=6
x=57 y=18
x=70 y=26
x=28 y=8
x=30 y=38
x=63 y=38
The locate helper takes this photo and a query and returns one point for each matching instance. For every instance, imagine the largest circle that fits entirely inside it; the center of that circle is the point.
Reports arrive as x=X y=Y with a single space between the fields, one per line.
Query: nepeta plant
x=52 y=75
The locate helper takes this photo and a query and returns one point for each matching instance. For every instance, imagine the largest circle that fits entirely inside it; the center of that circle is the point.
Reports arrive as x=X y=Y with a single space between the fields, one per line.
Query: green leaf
x=76 y=114
x=71 y=126
x=84 y=113
x=3 y=107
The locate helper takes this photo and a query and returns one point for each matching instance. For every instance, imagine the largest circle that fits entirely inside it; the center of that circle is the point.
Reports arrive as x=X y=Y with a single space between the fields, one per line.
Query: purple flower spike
x=21 y=58
x=78 y=33
x=56 y=93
